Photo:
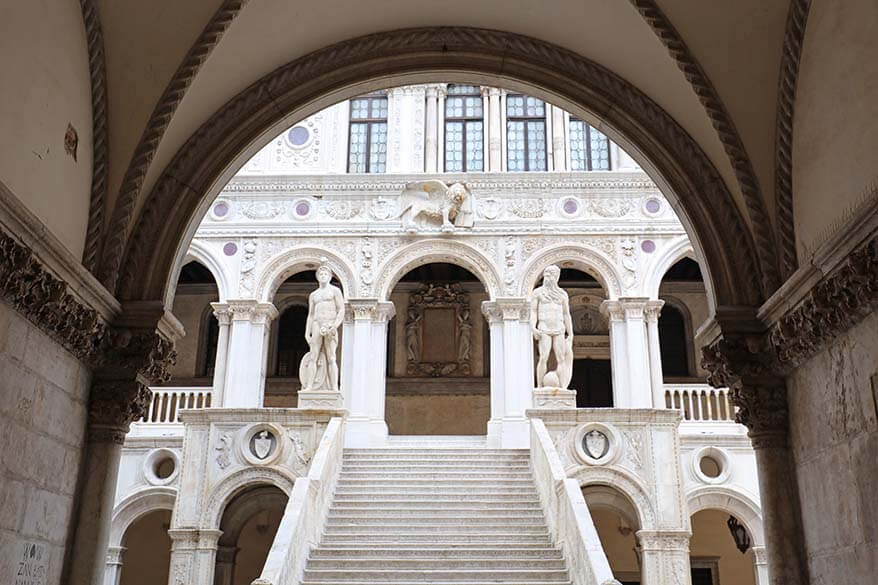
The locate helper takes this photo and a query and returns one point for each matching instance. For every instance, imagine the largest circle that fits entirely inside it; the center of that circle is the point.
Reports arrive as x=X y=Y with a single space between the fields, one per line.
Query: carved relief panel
x=439 y=331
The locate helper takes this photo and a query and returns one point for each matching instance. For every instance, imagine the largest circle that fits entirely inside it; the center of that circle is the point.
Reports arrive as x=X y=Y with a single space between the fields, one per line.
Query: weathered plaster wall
x=834 y=434
x=43 y=393
x=834 y=144
x=46 y=86
x=438 y=414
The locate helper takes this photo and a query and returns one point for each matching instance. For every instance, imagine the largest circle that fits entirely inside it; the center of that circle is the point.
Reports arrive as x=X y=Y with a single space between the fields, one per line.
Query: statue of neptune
x=318 y=370
x=552 y=328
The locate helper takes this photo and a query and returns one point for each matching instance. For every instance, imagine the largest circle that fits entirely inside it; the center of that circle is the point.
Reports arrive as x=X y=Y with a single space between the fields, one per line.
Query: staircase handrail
x=305 y=513
x=566 y=512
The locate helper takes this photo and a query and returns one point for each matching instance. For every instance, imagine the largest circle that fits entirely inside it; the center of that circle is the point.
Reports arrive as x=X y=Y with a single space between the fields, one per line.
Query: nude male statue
x=319 y=368
x=552 y=327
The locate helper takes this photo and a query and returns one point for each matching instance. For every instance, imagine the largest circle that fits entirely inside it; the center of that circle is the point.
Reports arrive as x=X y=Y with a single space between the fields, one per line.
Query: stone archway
x=141 y=264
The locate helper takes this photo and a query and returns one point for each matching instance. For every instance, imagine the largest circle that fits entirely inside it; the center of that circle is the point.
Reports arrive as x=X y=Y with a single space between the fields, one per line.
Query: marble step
x=431 y=576
x=443 y=540
x=465 y=475
x=443 y=493
x=406 y=520
x=460 y=483
x=474 y=527
x=407 y=509
x=432 y=452
x=381 y=464
x=419 y=551
x=433 y=564
x=437 y=499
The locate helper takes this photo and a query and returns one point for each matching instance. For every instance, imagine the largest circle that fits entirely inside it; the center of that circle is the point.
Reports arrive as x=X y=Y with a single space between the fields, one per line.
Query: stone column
x=225 y=565
x=494 y=317
x=193 y=556
x=746 y=365
x=653 y=310
x=760 y=565
x=550 y=143
x=495 y=160
x=248 y=352
x=365 y=424
x=134 y=358
x=503 y=143
x=664 y=557
x=559 y=141
x=511 y=322
x=224 y=318
x=113 y=572
x=632 y=387
x=486 y=127
x=441 y=92
x=431 y=134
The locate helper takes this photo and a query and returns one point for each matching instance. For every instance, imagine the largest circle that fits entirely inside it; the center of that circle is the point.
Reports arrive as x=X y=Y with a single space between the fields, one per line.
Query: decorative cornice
x=129 y=193
x=728 y=135
x=46 y=301
x=794 y=38
x=187 y=177
x=100 y=143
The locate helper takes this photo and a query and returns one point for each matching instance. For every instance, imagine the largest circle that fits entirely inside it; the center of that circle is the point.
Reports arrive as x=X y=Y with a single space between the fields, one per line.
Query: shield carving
x=596 y=444
x=262 y=444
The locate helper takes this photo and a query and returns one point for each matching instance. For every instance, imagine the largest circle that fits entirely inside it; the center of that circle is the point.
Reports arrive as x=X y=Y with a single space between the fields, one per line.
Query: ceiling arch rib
x=675 y=159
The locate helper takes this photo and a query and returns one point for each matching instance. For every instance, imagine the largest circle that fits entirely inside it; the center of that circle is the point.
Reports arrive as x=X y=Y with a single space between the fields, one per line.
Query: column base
x=321 y=399
x=515 y=434
x=363 y=432
x=554 y=397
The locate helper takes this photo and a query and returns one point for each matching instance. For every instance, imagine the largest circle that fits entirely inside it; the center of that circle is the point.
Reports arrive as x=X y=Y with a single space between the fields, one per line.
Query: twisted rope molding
x=100 y=146
x=132 y=183
x=794 y=37
x=728 y=135
x=233 y=127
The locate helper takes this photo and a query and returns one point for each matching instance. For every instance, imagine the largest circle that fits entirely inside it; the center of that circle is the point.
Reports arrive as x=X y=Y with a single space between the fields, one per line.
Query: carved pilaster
x=653 y=310
x=513 y=309
x=370 y=310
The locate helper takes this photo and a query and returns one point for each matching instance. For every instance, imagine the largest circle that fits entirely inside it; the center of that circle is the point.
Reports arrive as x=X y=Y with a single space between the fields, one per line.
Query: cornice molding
x=794 y=38
x=129 y=193
x=728 y=135
x=100 y=142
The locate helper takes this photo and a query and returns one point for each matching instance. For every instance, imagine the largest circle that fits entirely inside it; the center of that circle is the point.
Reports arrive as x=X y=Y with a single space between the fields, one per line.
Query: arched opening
x=249 y=524
x=196 y=351
x=147 y=550
x=287 y=345
x=438 y=365
x=617 y=522
x=685 y=309
x=720 y=549
x=592 y=370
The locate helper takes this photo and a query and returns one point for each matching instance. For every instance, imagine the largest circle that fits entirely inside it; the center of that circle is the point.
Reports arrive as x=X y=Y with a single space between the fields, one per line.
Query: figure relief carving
x=248 y=263
x=628 y=249
x=509 y=250
x=224 y=448
x=552 y=329
x=432 y=203
x=301 y=456
x=439 y=296
x=318 y=370
x=366 y=276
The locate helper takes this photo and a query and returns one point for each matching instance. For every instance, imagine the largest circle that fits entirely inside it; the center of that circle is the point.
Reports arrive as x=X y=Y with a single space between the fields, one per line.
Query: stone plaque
x=32 y=564
x=262 y=444
x=439 y=333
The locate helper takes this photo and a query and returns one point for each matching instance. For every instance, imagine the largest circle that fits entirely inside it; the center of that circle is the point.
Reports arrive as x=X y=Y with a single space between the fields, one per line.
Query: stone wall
x=42 y=430
x=834 y=435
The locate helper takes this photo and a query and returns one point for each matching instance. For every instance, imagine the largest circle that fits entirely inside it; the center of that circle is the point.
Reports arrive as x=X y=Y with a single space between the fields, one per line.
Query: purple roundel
x=298 y=135
x=302 y=208
x=647 y=246
x=230 y=249
x=653 y=205
x=221 y=209
x=571 y=206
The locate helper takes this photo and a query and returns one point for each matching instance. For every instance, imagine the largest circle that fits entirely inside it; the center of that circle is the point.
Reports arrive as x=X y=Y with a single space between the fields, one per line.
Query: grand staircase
x=456 y=515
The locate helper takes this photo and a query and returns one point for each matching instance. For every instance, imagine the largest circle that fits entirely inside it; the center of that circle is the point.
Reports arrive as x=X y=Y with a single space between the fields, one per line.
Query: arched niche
x=294 y=260
x=241 y=480
x=578 y=257
x=138 y=266
x=137 y=505
x=737 y=504
x=199 y=252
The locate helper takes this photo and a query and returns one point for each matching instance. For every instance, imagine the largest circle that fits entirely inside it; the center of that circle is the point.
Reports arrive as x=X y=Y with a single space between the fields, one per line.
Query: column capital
x=432 y=91
x=222 y=312
x=653 y=310
x=370 y=310
x=484 y=91
x=115 y=554
x=506 y=309
x=625 y=308
x=664 y=540
x=251 y=310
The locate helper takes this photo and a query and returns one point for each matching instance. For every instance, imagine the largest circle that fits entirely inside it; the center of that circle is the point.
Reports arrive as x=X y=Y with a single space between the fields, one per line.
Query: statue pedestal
x=554 y=397
x=320 y=399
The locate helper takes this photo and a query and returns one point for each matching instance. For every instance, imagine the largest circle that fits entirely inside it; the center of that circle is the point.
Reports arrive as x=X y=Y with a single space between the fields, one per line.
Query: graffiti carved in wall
x=441 y=311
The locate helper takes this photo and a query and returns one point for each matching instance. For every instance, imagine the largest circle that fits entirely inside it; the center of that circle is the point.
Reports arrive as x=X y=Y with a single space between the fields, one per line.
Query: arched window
x=209 y=342
x=682 y=290
x=291 y=344
x=672 y=340
x=464 y=129
x=525 y=133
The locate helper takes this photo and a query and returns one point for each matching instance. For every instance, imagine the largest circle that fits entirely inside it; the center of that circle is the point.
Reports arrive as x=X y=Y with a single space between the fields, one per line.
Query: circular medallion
x=221 y=209
x=653 y=205
x=230 y=249
x=298 y=136
x=647 y=246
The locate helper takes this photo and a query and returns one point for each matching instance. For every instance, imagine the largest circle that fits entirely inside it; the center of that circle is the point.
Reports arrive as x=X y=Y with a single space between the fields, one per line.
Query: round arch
x=137 y=505
x=678 y=249
x=624 y=483
x=436 y=250
x=294 y=260
x=201 y=253
x=735 y=503
x=141 y=253
x=609 y=497
x=260 y=497
x=234 y=484
x=572 y=256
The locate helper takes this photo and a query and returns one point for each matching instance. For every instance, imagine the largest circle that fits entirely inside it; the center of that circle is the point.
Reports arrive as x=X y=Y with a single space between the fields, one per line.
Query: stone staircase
x=438 y=514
